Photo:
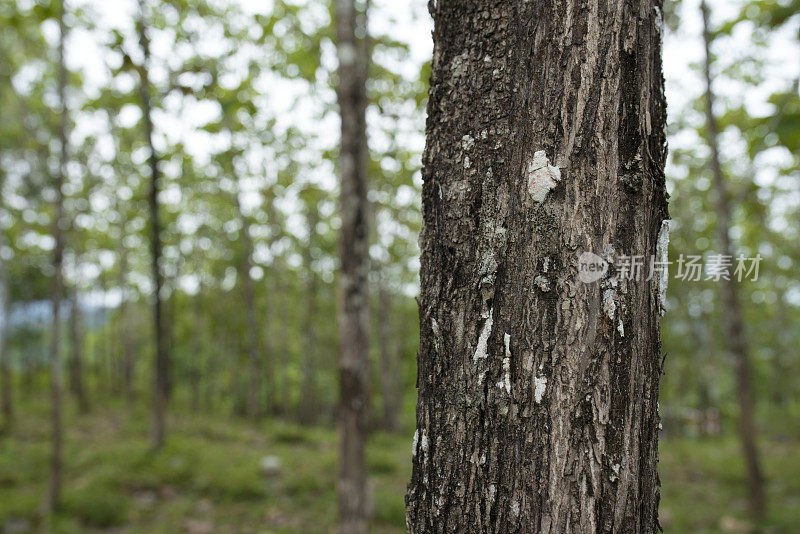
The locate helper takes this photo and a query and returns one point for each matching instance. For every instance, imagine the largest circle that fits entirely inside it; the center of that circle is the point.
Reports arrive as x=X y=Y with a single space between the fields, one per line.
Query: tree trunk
x=250 y=309
x=284 y=328
x=732 y=315
x=54 y=492
x=125 y=326
x=389 y=375
x=170 y=314
x=6 y=396
x=537 y=391
x=308 y=394
x=354 y=268
x=161 y=353
x=780 y=389
x=76 y=361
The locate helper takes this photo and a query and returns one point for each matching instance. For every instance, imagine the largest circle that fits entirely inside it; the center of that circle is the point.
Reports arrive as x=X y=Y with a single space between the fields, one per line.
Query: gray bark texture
x=354 y=269
x=537 y=392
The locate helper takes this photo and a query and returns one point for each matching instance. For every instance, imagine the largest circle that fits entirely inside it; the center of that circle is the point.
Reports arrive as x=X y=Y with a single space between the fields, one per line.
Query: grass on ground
x=222 y=475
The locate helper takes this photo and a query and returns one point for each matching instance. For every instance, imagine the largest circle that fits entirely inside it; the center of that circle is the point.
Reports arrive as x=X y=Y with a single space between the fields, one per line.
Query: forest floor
x=219 y=474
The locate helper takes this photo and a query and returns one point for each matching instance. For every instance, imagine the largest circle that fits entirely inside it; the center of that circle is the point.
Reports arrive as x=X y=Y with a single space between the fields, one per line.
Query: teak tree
x=54 y=490
x=537 y=408
x=162 y=351
x=733 y=322
x=354 y=269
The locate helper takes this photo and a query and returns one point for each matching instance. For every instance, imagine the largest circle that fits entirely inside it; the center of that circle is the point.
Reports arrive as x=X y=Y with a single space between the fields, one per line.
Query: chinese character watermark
x=689 y=267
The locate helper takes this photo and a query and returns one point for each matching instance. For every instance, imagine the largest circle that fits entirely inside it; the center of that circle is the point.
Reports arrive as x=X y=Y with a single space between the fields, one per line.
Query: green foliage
x=112 y=478
x=97 y=506
x=246 y=134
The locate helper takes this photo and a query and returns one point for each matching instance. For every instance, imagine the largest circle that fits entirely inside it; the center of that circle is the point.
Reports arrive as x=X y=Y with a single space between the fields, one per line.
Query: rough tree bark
x=354 y=269
x=733 y=324
x=537 y=407
x=76 y=382
x=161 y=353
x=54 y=491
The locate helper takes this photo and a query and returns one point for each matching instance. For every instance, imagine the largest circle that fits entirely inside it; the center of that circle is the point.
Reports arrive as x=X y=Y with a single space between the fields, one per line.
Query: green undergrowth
x=222 y=474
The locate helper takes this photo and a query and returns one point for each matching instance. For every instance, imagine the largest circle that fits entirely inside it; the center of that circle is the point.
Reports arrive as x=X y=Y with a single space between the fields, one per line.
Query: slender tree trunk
x=276 y=324
x=285 y=332
x=198 y=351
x=253 y=384
x=389 y=375
x=54 y=492
x=76 y=361
x=161 y=353
x=732 y=316
x=125 y=325
x=100 y=382
x=537 y=382
x=169 y=314
x=354 y=259
x=309 y=409
x=780 y=371
x=6 y=395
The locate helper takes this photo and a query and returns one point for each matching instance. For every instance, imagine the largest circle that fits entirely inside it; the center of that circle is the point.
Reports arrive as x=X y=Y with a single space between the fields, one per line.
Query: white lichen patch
x=483 y=339
x=609 y=254
x=467 y=163
x=542 y=176
x=467 y=142
x=515 y=508
x=435 y=328
x=423 y=443
x=414 y=443
x=505 y=383
x=539 y=386
x=609 y=306
x=615 y=472
x=621 y=328
x=662 y=254
x=459 y=65
x=542 y=283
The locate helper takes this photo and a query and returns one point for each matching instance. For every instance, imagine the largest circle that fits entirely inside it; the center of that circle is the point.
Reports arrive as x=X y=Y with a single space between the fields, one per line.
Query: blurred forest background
x=245 y=130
